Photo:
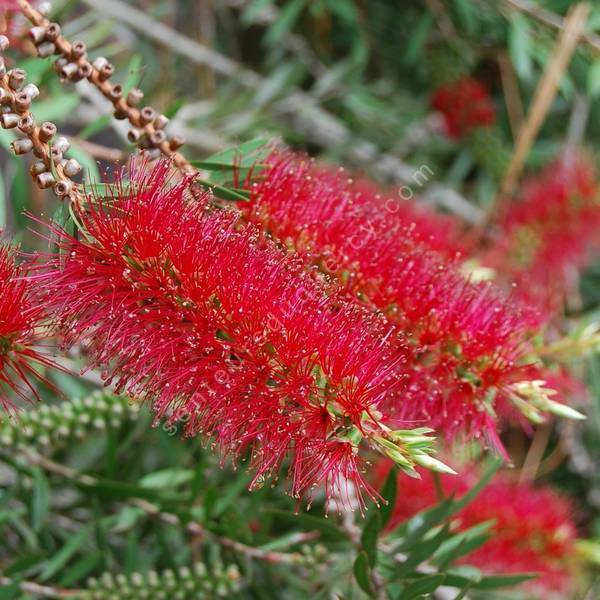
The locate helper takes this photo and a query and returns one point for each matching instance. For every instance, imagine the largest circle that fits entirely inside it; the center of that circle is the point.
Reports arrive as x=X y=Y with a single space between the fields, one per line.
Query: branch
x=51 y=169
x=45 y=591
x=549 y=18
x=195 y=528
x=73 y=65
x=545 y=93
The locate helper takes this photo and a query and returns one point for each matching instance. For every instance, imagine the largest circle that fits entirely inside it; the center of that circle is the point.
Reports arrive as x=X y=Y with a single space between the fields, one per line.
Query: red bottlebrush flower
x=19 y=321
x=549 y=232
x=533 y=529
x=464 y=104
x=218 y=327
x=469 y=340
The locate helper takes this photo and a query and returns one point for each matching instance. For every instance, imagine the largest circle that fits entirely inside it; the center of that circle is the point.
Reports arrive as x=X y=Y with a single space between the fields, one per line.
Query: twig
x=44 y=591
x=99 y=151
x=535 y=454
x=545 y=93
x=444 y=21
x=549 y=18
x=512 y=96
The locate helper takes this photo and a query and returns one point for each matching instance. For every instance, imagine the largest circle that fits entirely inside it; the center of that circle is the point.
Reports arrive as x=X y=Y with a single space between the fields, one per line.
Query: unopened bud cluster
x=51 y=169
x=52 y=426
x=186 y=583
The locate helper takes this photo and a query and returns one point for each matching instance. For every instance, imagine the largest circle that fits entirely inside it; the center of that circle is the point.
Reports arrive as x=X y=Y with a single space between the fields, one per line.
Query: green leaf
x=213 y=165
x=495 y=464
x=369 y=537
x=492 y=582
x=388 y=493
x=64 y=555
x=241 y=151
x=167 y=478
x=134 y=73
x=224 y=193
x=40 y=500
x=423 y=586
x=519 y=46
x=462 y=543
x=416 y=527
x=421 y=551
x=593 y=79
x=284 y=22
x=57 y=108
x=362 y=573
x=81 y=568
x=94 y=127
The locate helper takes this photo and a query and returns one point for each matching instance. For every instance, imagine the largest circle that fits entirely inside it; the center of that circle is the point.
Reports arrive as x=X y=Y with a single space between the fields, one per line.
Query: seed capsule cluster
x=51 y=169
x=185 y=583
x=73 y=64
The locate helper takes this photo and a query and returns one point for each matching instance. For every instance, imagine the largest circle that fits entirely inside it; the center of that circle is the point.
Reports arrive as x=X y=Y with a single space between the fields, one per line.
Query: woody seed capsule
x=22 y=102
x=16 y=78
x=39 y=166
x=176 y=142
x=78 y=49
x=100 y=62
x=85 y=70
x=116 y=92
x=134 y=97
x=160 y=122
x=31 y=90
x=45 y=180
x=37 y=34
x=147 y=115
x=10 y=120
x=157 y=137
x=62 y=188
x=52 y=32
x=22 y=146
x=46 y=49
x=26 y=124
x=134 y=135
x=69 y=70
x=106 y=71
x=47 y=131
x=71 y=168
x=62 y=144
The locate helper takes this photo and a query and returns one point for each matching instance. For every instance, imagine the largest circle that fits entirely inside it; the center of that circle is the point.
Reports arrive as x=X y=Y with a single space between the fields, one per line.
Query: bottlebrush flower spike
x=470 y=340
x=533 y=529
x=218 y=327
x=465 y=105
x=20 y=320
x=549 y=231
